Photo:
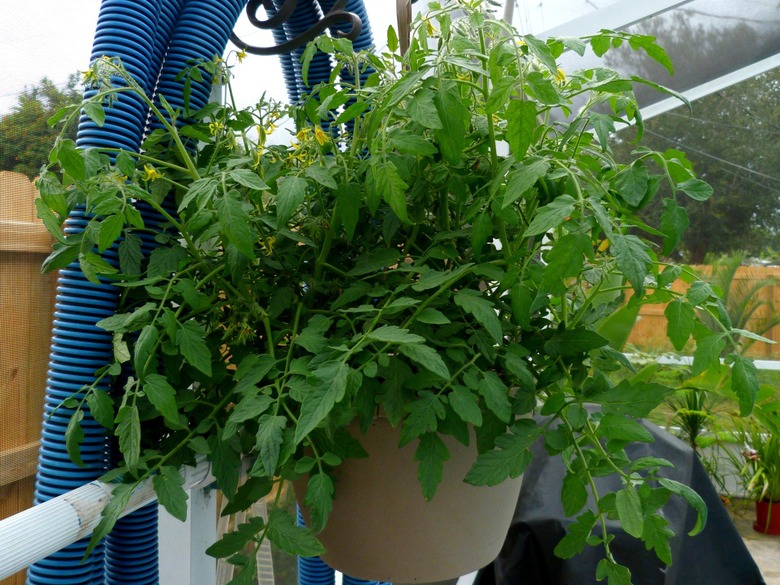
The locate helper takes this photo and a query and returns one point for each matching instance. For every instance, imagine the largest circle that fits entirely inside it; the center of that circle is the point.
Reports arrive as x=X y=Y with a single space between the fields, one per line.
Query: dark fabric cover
x=716 y=556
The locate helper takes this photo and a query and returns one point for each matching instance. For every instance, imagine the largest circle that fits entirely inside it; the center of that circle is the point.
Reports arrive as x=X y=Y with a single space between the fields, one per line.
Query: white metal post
x=183 y=545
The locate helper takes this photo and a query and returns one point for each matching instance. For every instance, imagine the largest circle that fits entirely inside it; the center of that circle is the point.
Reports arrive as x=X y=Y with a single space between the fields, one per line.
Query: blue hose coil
x=154 y=39
x=305 y=15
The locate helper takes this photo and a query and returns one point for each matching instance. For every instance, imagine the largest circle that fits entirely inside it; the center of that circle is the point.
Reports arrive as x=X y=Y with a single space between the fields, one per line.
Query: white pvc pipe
x=34 y=534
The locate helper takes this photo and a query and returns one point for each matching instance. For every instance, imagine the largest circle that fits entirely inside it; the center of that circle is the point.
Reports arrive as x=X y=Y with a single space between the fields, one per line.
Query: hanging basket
x=382 y=529
x=767 y=517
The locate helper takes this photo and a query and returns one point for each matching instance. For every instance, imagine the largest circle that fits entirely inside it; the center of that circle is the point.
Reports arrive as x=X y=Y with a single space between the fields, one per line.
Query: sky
x=53 y=38
x=48 y=38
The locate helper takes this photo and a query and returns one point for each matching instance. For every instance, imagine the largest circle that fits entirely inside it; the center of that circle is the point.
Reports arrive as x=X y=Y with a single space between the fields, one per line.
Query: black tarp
x=716 y=556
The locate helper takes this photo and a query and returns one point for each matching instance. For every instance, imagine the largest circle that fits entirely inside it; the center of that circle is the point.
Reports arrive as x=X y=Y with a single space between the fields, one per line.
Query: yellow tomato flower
x=603 y=245
x=151 y=173
x=303 y=135
x=215 y=127
x=241 y=55
x=320 y=136
x=560 y=75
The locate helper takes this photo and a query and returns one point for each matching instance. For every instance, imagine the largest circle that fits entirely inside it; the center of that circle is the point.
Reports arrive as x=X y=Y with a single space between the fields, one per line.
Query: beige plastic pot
x=382 y=529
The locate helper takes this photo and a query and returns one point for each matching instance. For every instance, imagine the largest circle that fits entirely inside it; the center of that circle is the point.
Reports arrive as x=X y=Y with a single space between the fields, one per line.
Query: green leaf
x=496 y=396
x=312 y=337
x=101 y=407
x=392 y=187
x=424 y=414
x=708 y=352
x=510 y=458
x=170 y=493
x=234 y=223
x=120 y=497
x=576 y=537
x=233 y=542
x=695 y=189
x=366 y=264
x=351 y=112
x=565 y=259
x=392 y=39
x=541 y=51
x=95 y=112
x=393 y=334
x=50 y=220
x=163 y=397
x=629 y=509
x=290 y=195
x=250 y=407
x=74 y=435
x=130 y=255
x=680 y=317
x=284 y=532
x=321 y=175
x=252 y=369
x=620 y=428
x=520 y=126
x=694 y=501
x=200 y=191
x=410 y=143
x=427 y=357
x=657 y=535
x=674 y=222
x=432 y=317
x=319 y=499
x=744 y=383
x=465 y=405
x=423 y=111
x=481 y=232
x=128 y=429
x=631 y=183
x=431 y=453
x=499 y=94
x=522 y=178
x=70 y=160
x=451 y=138
x=542 y=88
x=191 y=341
x=551 y=215
x=632 y=259
x=225 y=462
x=604 y=126
x=614 y=573
x=348 y=203
x=574 y=496
x=434 y=278
x=248 y=178
x=573 y=341
x=331 y=386
x=636 y=400
x=165 y=260
x=482 y=310
x=269 y=441
x=94 y=266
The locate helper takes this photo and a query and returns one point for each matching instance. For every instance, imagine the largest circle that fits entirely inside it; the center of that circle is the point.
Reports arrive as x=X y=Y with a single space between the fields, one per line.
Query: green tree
x=732 y=137
x=25 y=136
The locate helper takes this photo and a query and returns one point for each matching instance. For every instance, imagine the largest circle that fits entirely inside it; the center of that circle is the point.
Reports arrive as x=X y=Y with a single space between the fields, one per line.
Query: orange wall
x=649 y=332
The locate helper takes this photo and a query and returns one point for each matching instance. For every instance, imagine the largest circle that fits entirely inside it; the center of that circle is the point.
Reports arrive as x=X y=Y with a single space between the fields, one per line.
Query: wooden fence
x=649 y=332
x=26 y=304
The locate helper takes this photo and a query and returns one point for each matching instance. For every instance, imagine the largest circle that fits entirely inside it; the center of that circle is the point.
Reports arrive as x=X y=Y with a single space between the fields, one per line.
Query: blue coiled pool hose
x=154 y=39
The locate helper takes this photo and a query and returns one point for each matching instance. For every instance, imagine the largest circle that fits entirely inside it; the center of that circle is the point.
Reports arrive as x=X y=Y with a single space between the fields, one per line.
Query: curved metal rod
x=335 y=14
x=276 y=20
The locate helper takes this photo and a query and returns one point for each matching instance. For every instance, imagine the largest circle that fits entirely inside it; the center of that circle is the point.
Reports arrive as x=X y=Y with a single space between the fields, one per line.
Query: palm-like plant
x=742 y=298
